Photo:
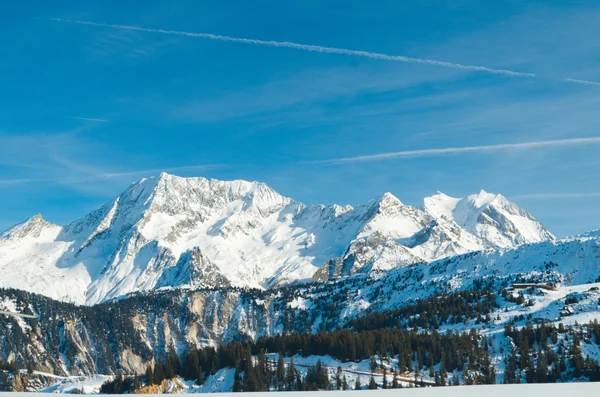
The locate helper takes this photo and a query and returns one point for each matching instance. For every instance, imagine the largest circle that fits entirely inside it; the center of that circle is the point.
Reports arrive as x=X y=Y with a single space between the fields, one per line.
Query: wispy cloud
x=8 y=182
x=458 y=150
x=109 y=175
x=554 y=196
x=299 y=93
x=89 y=119
x=324 y=49
x=74 y=180
x=584 y=82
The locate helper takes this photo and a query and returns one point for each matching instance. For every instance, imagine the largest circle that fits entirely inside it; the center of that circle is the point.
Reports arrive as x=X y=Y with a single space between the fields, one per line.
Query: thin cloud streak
x=8 y=182
x=109 y=175
x=554 y=196
x=584 y=82
x=104 y=175
x=456 y=150
x=88 y=119
x=307 y=47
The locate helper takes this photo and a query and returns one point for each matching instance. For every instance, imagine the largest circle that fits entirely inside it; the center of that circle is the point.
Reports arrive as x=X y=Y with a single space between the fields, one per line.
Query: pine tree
x=118 y=384
x=200 y=376
x=385 y=380
x=321 y=376
x=338 y=378
x=280 y=371
x=149 y=376
x=169 y=369
x=510 y=372
x=291 y=375
x=190 y=366
x=372 y=383
x=299 y=385
x=491 y=378
x=373 y=364
x=159 y=374
x=357 y=384
x=237 y=382
x=395 y=383
x=344 y=383
x=175 y=363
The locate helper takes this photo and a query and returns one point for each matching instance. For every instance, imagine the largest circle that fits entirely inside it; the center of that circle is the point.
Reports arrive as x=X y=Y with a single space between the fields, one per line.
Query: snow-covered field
x=535 y=390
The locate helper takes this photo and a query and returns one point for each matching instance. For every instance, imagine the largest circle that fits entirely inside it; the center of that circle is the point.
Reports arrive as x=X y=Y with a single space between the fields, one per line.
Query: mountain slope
x=129 y=333
x=171 y=232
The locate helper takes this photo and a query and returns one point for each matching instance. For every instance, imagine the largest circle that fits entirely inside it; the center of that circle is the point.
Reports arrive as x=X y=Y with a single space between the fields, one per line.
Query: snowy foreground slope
x=172 y=232
x=534 y=390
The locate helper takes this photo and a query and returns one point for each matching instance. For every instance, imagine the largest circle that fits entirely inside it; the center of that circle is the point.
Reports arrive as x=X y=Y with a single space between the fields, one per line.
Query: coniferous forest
x=538 y=354
x=440 y=340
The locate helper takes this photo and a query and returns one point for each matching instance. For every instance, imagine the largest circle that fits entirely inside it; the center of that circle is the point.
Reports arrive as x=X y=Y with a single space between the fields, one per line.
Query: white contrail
x=553 y=196
x=17 y=181
x=307 y=47
x=88 y=119
x=106 y=175
x=453 y=150
x=584 y=82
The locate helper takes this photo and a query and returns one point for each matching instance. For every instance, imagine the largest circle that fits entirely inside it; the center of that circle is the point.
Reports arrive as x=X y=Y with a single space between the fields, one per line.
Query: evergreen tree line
x=541 y=353
x=432 y=312
x=121 y=385
x=415 y=352
x=452 y=350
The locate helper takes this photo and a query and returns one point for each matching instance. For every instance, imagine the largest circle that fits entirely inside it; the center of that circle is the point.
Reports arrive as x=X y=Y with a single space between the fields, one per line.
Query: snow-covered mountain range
x=171 y=232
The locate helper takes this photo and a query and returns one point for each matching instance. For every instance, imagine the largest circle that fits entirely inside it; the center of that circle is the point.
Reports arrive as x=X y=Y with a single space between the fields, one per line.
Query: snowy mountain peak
x=385 y=205
x=388 y=199
x=213 y=193
x=483 y=198
x=170 y=231
x=490 y=217
x=440 y=205
x=33 y=228
x=339 y=210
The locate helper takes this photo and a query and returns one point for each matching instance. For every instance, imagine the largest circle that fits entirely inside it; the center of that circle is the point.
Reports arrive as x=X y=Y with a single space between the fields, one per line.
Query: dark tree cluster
x=541 y=354
x=415 y=352
x=9 y=366
x=432 y=312
x=255 y=372
x=121 y=385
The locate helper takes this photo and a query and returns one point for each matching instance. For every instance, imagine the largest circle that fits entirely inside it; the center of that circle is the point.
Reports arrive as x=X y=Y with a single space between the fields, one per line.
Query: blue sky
x=88 y=109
